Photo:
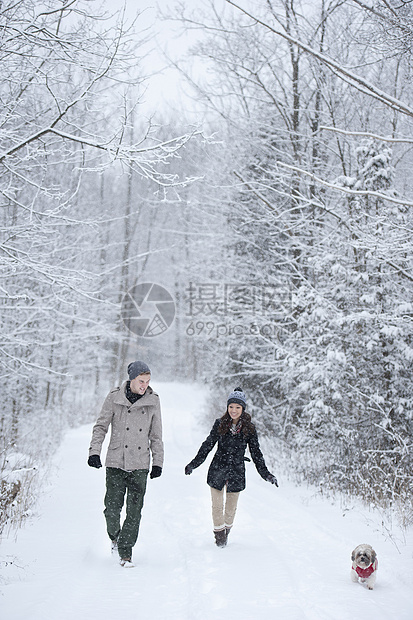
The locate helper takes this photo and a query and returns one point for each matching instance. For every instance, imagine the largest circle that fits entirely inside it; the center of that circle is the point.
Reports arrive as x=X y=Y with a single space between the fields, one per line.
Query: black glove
x=94 y=461
x=188 y=470
x=272 y=479
x=156 y=471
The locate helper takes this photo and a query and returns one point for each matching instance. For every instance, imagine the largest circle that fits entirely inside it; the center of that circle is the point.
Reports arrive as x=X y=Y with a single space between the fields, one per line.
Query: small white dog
x=364 y=565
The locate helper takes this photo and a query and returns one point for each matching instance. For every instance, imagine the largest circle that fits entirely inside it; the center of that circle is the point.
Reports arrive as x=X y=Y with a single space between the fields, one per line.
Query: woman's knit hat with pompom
x=238 y=397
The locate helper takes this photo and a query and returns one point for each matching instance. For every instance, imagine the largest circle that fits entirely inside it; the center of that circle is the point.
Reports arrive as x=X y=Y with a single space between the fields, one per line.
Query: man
x=133 y=411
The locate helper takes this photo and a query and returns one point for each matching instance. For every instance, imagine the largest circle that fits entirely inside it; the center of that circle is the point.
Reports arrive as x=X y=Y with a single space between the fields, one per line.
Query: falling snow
x=288 y=555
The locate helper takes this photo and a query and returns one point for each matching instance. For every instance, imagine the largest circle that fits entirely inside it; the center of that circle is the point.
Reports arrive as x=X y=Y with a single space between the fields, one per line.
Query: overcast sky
x=166 y=88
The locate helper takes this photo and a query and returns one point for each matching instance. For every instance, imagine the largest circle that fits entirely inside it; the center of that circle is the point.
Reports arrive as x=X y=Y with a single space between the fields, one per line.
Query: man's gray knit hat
x=238 y=397
x=137 y=368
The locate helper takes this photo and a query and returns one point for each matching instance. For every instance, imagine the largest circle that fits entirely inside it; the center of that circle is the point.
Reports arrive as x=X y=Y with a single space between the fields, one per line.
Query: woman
x=234 y=431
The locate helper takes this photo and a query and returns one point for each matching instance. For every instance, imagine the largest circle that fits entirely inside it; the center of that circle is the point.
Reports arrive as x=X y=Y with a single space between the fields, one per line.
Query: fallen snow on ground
x=288 y=556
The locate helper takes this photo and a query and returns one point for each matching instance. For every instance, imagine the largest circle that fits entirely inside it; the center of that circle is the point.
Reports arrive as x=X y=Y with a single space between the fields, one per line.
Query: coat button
x=127 y=428
x=140 y=430
x=126 y=446
x=139 y=447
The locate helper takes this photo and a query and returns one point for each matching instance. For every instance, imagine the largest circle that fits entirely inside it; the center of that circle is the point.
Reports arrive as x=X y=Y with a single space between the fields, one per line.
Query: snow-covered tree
x=71 y=83
x=317 y=210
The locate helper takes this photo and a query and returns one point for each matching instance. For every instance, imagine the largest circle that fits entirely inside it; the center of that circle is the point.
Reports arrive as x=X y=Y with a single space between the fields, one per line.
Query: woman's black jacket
x=228 y=465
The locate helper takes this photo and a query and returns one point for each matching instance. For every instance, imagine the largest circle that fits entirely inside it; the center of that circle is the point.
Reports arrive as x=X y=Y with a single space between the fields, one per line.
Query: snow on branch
x=367 y=134
x=347 y=190
x=352 y=78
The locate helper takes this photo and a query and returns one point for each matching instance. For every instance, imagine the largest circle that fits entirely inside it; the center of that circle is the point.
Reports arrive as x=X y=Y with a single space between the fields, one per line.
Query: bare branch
x=346 y=190
x=366 y=134
x=353 y=79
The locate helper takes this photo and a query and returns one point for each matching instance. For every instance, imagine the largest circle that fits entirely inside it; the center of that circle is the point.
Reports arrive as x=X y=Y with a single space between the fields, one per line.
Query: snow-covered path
x=287 y=557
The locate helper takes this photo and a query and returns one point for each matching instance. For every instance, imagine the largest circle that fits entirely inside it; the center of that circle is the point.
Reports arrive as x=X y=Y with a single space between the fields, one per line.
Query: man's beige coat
x=136 y=431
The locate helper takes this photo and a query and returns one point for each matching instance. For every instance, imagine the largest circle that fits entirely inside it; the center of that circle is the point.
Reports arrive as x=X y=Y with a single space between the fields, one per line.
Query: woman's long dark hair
x=247 y=427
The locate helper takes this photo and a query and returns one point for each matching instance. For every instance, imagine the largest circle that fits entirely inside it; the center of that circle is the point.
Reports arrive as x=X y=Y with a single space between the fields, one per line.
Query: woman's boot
x=220 y=537
x=227 y=531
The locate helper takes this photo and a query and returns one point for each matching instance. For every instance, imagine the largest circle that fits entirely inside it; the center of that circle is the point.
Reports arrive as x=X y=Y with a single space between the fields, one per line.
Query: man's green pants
x=118 y=482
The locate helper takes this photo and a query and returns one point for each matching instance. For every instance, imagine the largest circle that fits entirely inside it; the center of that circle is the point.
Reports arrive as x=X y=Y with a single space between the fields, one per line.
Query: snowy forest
x=275 y=209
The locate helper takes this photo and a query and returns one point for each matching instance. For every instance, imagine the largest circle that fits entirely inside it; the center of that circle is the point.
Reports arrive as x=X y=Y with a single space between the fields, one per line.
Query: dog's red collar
x=364 y=573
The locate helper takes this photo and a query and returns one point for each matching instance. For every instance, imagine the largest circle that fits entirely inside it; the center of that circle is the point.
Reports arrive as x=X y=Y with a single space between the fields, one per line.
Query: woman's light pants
x=223 y=512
